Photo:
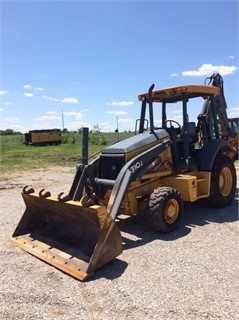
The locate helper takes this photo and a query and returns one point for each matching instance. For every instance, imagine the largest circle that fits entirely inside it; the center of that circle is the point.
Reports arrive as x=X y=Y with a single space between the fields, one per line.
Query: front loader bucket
x=72 y=238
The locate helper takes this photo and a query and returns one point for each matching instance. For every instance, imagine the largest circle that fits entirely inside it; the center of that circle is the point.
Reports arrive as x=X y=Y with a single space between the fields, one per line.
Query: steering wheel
x=173 y=121
x=178 y=129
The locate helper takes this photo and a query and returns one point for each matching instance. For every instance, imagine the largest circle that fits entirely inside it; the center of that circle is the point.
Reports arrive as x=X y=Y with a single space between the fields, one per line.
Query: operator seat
x=191 y=139
x=191 y=131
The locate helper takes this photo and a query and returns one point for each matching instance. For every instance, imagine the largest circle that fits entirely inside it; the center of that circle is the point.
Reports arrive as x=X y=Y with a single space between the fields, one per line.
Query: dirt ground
x=190 y=274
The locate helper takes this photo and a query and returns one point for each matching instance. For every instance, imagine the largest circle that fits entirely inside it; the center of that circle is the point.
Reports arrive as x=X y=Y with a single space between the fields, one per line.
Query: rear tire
x=165 y=209
x=223 y=182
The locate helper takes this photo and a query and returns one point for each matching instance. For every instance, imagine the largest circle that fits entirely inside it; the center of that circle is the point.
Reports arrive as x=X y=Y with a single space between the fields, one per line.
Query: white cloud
x=30 y=87
x=158 y=123
x=47 y=117
x=107 y=126
x=10 y=123
x=26 y=94
x=73 y=120
x=2 y=92
x=70 y=100
x=76 y=114
x=50 y=98
x=27 y=86
x=124 y=124
x=234 y=109
x=2 y=109
x=127 y=123
x=51 y=113
x=178 y=118
x=178 y=111
x=174 y=74
x=121 y=103
x=207 y=69
x=11 y=119
x=77 y=124
x=230 y=57
x=233 y=112
x=117 y=113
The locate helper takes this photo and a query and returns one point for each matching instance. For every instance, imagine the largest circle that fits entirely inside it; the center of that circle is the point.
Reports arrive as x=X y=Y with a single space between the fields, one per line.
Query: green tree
x=9 y=132
x=97 y=137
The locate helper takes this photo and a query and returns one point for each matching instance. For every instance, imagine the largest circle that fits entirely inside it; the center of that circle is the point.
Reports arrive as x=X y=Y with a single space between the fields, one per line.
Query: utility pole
x=117 y=126
x=62 y=116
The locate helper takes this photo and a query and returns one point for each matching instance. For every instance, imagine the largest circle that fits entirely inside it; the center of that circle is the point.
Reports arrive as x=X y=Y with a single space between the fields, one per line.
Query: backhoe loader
x=153 y=172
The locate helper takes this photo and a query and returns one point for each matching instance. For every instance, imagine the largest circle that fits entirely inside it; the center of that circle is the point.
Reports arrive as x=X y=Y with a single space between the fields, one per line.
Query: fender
x=208 y=153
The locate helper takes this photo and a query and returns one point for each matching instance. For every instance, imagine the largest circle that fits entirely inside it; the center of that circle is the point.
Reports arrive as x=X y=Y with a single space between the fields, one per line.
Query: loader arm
x=131 y=171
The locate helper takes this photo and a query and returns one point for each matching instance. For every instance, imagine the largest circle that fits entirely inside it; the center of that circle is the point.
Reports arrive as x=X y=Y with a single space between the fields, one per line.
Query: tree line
x=9 y=132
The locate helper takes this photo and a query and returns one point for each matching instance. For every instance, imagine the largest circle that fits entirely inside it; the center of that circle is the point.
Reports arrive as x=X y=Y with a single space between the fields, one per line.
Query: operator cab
x=187 y=137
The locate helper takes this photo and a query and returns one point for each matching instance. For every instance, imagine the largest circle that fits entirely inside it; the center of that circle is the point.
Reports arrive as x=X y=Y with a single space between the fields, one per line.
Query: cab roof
x=174 y=94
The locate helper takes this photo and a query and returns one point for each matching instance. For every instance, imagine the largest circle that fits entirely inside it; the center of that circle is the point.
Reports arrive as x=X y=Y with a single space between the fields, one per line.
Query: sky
x=74 y=64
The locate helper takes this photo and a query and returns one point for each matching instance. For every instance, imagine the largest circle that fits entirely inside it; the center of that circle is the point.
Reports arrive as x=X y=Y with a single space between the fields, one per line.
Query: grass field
x=15 y=156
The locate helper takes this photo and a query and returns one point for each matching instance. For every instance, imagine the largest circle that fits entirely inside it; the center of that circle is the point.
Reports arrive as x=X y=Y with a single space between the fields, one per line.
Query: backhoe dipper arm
x=132 y=170
x=220 y=102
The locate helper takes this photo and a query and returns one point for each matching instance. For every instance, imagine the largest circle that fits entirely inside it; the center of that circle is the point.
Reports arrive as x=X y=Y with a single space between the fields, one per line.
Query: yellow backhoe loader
x=154 y=171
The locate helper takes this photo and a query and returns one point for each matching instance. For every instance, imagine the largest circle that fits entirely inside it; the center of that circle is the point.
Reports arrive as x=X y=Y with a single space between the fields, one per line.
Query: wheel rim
x=225 y=181
x=171 y=211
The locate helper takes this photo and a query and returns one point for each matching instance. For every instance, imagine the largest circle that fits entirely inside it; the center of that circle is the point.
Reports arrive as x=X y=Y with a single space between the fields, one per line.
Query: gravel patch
x=190 y=274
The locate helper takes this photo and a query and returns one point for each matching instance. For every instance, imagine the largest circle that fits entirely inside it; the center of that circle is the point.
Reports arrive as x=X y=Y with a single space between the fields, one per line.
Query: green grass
x=20 y=157
x=15 y=156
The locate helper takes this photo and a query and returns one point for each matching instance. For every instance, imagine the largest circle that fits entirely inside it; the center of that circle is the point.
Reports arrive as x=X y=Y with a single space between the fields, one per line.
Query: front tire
x=223 y=182
x=165 y=209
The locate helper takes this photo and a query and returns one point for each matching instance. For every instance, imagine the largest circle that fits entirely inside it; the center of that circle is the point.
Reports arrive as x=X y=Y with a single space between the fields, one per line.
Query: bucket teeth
x=63 y=199
x=25 y=190
x=44 y=195
x=86 y=201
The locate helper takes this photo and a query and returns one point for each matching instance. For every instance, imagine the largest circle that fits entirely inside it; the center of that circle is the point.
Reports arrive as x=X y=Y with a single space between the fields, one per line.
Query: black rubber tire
x=223 y=182
x=165 y=209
